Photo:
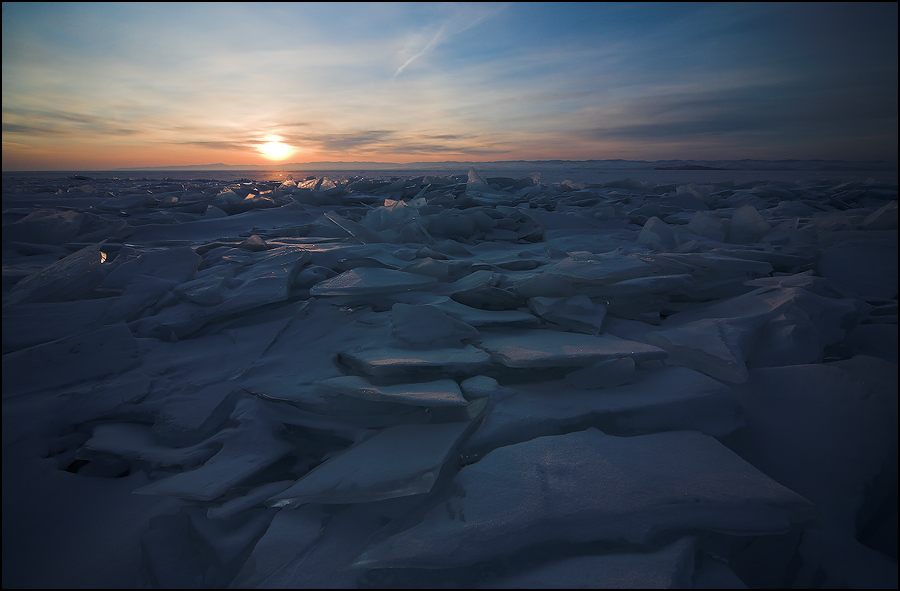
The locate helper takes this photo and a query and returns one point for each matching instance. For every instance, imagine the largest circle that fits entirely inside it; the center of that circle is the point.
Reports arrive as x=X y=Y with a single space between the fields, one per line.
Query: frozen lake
x=471 y=379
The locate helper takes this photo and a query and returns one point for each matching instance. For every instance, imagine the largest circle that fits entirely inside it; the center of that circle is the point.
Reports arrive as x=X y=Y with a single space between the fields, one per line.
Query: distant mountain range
x=531 y=165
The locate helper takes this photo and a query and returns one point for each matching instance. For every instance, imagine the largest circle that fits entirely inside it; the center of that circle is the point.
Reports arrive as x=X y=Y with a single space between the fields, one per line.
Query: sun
x=275 y=149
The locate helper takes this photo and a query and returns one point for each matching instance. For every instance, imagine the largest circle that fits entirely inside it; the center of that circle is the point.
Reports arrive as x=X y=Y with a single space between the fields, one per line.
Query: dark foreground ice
x=449 y=381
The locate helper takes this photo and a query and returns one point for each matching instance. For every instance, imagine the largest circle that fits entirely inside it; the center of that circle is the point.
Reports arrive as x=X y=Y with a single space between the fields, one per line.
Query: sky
x=101 y=86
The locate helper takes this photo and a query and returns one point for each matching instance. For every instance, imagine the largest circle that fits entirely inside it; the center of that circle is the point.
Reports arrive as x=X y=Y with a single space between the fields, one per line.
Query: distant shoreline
x=528 y=166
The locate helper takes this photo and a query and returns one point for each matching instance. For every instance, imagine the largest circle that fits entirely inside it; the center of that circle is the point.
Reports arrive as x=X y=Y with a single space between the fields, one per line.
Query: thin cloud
x=467 y=15
x=41 y=122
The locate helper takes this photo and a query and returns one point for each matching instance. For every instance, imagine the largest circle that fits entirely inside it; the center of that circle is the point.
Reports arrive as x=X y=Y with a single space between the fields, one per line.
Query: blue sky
x=110 y=85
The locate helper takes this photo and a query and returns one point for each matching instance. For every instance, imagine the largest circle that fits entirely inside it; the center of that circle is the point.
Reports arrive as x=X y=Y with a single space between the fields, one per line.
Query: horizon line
x=428 y=164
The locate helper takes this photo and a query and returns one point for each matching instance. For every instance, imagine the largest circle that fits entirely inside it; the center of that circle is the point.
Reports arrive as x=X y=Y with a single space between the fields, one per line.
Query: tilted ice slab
x=578 y=313
x=670 y=567
x=601 y=269
x=45 y=226
x=391 y=361
x=291 y=533
x=846 y=411
x=747 y=225
x=66 y=279
x=589 y=486
x=603 y=374
x=427 y=326
x=209 y=230
x=714 y=346
x=398 y=461
x=246 y=450
x=267 y=279
x=707 y=266
x=864 y=269
x=175 y=264
x=370 y=281
x=642 y=286
x=137 y=444
x=670 y=398
x=40 y=322
x=769 y=326
x=436 y=393
x=90 y=356
x=483 y=318
x=551 y=348
x=479 y=190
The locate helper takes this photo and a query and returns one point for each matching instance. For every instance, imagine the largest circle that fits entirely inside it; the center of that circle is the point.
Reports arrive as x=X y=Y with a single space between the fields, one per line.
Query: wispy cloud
x=464 y=16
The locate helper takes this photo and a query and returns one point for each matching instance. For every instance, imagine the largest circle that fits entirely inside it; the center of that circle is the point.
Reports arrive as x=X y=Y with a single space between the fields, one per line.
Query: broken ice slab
x=709 y=265
x=670 y=567
x=247 y=449
x=391 y=361
x=436 y=393
x=578 y=313
x=714 y=346
x=479 y=190
x=394 y=257
x=551 y=348
x=45 y=226
x=89 y=356
x=863 y=269
x=25 y=325
x=484 y=318
x=254 y=243
x=255 y=498
x=290 y=535
x=766 y=327
x=267 y=280
x=67 y=279
x=354 y=229
x=175 y=264
x=709 y=226
x=604 y=374
x=847 y=412
x=371 y=281
x=659 y=235
x=643 y=286
x=884 y=218
x=193 y=413
x=747 y=225
x=610 y=267
x=208 y=288
x=137 y=444
x=473 y=280
x=780 y=261
x=399 y=461
x=670 y=398
x=478 y=386
x=589 y=486
x=425 y=325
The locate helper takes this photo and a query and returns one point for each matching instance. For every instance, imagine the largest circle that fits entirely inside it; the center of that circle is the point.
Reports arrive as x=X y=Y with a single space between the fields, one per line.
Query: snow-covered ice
x=455 y=380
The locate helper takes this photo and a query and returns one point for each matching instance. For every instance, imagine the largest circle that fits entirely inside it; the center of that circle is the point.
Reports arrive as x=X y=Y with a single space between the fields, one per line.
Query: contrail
x=456 y=24
x=430 y=46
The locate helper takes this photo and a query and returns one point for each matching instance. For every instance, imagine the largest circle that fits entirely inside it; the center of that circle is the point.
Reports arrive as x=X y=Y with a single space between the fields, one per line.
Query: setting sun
x=275 y=149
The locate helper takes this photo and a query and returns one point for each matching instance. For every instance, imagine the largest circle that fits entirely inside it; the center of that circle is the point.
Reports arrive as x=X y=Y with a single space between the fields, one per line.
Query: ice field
x=455 y=380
